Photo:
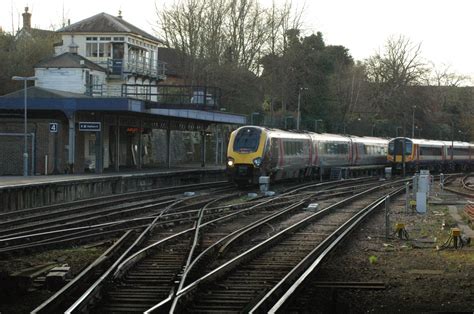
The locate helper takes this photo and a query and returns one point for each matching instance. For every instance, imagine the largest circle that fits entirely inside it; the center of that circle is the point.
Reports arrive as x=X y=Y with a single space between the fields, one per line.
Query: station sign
x=89 y=126
x=53 y=127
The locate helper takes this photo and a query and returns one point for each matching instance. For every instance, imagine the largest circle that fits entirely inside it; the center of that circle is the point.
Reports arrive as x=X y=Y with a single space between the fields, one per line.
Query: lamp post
x=413 y=123
x=373 y=129
x=25 y=122
x=299 y=107
x=316 y=124
x=452 y=141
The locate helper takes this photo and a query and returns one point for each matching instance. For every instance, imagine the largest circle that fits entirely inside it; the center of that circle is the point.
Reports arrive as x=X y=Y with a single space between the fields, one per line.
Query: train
x=429 y=154
x=255 y=151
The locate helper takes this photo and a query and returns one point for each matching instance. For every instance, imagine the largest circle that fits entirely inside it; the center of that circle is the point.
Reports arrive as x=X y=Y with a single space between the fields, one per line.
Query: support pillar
x=140 y=145
x=203 y=148
x=99 y=154
x=71 y=143
x=217 y=146
x=168 y=145
x=55 y=149
x=117 y=144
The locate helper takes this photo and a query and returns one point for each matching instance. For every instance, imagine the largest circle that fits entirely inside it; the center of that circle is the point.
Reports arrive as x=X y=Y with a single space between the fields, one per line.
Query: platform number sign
x=53 y=127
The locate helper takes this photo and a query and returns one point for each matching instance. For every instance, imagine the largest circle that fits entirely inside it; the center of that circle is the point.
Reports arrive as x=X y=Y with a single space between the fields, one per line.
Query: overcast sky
x=363 y=26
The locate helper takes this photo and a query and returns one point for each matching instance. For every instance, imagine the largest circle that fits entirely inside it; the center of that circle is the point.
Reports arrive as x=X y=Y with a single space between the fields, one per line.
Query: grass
x=77 y=258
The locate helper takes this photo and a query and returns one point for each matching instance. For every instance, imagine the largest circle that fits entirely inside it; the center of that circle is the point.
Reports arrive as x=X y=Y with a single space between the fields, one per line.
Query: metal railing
x=173 y=96
x=156 y=69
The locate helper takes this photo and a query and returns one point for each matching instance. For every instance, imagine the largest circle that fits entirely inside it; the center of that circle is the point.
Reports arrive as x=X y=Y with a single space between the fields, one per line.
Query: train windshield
x=395 y=147
x=247 y=140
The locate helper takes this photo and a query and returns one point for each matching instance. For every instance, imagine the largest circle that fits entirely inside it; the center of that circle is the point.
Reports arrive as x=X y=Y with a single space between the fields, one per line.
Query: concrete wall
x=36 y=195
x=66 y=79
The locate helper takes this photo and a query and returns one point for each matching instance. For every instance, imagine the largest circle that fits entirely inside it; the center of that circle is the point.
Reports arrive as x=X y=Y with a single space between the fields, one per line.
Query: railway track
x=238 y=284
x=128 y=285
x=93 y=221
x=465 y=189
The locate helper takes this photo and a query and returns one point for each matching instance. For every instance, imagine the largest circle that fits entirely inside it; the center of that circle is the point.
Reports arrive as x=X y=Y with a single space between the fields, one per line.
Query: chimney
x=26 y=19
x=119 y=14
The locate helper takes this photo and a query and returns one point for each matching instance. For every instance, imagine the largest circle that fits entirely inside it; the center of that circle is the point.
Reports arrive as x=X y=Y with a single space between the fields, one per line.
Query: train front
x=395 y=156
x=244 y=154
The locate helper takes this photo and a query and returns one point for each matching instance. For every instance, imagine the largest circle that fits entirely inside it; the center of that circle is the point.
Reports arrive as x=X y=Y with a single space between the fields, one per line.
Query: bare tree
x=444 y=76
x=391 y=73
x=223 y=36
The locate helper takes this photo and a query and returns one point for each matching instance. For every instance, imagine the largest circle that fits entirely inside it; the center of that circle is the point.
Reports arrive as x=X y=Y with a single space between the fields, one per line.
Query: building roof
x=106 y=23
x=39 y=92
x=69 y=60
x=36 y=32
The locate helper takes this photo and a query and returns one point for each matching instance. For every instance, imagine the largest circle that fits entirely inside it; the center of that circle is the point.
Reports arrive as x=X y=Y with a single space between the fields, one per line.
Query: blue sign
x=89 y=126
x=53 y=127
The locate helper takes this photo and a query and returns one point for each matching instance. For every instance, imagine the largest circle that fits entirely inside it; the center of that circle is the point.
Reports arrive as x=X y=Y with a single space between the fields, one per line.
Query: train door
x=274 y=153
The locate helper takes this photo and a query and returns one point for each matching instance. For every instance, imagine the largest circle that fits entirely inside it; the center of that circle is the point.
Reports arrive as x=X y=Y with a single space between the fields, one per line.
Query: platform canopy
x=48 y=99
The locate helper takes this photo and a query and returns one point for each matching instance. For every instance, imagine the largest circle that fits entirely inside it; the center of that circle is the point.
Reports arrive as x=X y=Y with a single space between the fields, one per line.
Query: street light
x=299 y=106
x=316 y=124
x=25 y=79
x=413 y=123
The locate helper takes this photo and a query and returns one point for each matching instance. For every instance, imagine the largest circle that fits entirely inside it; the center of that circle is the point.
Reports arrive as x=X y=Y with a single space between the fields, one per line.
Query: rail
x=294 y=280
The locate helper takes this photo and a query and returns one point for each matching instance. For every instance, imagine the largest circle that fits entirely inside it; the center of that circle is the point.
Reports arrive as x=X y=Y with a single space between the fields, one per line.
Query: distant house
x=28 y=32
x=70 y=72
x=127 y=55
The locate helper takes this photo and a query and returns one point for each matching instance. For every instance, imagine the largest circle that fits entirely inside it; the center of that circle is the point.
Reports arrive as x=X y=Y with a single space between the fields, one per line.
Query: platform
x=17 y=192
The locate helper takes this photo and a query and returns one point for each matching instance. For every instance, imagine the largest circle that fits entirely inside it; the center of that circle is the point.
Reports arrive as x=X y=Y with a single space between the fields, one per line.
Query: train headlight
x=257 y=162
x=230 y=162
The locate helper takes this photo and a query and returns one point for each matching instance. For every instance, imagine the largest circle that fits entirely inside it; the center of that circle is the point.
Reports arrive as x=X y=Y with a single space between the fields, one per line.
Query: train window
x=395 y=147
x=342 y=148
x=391 y=147
x=299 y=146
x=430 y=151
x=322 y=148
x=247 y=140
x=459 y=151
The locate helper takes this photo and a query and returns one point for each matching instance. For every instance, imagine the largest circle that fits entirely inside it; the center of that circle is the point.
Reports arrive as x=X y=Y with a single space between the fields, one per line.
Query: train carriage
x=429 y=154
x=330 y=150
x=369 y=151
x=257 y=151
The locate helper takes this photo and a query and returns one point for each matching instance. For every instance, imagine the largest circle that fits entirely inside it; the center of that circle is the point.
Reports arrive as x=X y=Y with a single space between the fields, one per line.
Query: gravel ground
x=419 y=274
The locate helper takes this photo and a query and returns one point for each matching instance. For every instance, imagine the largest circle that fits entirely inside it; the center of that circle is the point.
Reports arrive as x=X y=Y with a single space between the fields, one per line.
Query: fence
x=12 y=151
